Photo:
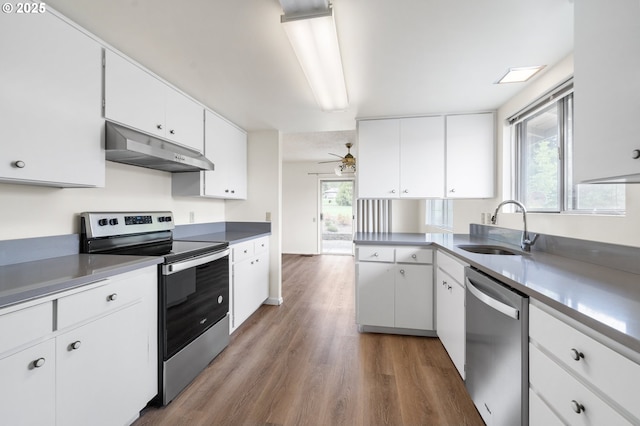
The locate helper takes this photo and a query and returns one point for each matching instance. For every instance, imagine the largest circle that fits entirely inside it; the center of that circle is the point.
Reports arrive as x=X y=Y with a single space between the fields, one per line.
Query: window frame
x=567 y=191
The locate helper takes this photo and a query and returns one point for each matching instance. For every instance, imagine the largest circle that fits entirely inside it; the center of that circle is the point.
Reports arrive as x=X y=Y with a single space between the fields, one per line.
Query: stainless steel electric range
x=193 y=289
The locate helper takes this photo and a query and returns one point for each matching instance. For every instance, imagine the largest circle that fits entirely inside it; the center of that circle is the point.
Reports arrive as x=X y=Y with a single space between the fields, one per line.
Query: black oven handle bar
x=193 y=262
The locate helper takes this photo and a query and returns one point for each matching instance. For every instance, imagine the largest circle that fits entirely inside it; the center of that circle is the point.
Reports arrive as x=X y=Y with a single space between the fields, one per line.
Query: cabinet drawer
x=261 y=245
x=414 y=255
x=451 y=265
x=540 y=414
x=562 y=392
x=242 y=251
x=615 y=375
x=22 y=326
x=376 y=254
x=97 y=301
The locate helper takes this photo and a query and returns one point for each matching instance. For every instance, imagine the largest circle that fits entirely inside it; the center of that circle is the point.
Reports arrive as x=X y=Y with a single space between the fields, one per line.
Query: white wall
x=33 y=211
x=612 y=229
x=264 y=183
x=300 y=205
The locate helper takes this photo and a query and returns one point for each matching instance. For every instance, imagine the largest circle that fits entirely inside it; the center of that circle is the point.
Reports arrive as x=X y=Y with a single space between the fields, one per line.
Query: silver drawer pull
x=375 y=254
x=576 y=355
x=402 y=271
x=112 y=297
x=75 y=345
x=38 y=363
x=577 y=407
x=413 y=256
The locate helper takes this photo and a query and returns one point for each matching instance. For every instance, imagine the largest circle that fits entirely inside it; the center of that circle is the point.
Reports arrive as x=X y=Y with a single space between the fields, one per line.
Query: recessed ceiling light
x=519 y=75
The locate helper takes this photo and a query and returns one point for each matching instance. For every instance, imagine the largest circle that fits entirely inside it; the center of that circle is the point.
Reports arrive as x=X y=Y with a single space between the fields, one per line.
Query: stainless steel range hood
x=128 y=146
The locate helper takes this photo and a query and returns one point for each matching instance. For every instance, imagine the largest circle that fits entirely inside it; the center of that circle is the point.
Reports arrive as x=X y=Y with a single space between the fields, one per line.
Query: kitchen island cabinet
x=606 y=147
x=394 y=289
x=51 y=103
x=91 y=360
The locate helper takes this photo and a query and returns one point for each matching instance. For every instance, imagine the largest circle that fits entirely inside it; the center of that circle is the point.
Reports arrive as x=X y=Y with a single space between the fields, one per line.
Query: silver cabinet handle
x=576 y=406
x=159 y=126
x=444 y=283
x=38 y=363
x=449 y=287
x=173 y=132
x=402 y=271
x=375 y=254
x=245 y=251
x=576 y=355
x=406 y=191
x=19 y=164
x=413 y=256
x=635 y=154
x=393 y=191
x=452 y=190
x=257 y=260
x=112 y=297
x=75 y=345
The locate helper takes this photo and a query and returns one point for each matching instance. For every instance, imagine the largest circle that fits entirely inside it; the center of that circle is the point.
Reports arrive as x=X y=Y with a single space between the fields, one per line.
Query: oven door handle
x=192 y=263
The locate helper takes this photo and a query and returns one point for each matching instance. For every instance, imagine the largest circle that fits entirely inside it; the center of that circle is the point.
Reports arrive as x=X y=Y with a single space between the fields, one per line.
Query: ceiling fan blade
x=330 y=161
x=340 y=156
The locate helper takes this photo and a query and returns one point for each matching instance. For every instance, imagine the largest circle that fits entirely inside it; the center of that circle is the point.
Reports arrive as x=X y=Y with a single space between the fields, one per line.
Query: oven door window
x=194 y=300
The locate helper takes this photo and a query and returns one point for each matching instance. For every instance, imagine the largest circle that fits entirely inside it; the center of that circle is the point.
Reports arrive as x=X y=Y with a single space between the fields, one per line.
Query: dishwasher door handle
x=495 y=304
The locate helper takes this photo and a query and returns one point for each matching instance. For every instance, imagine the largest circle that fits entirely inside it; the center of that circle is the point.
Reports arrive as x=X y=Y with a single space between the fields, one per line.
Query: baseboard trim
x=276 y=301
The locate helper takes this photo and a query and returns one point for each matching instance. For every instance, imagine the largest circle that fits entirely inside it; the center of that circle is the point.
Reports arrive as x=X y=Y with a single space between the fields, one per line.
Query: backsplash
x=624 y=258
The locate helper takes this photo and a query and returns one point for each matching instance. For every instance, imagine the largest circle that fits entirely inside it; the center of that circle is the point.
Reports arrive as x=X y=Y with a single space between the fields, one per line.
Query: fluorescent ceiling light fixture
x=315 y=42
x=519 y=75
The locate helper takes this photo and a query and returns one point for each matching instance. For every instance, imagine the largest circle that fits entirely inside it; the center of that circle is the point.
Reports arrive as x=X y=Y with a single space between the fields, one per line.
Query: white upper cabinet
x=226 y=147
x=378 y=159
x=51 y=103
x=427 y=157
x=401 y=158
x=137 y=99
x=470 y=156
x=607 y=91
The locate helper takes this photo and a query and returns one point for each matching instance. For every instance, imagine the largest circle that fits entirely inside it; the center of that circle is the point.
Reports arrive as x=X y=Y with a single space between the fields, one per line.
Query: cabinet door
x=226 y=146
x=606 y=109
x=414 y=296
x=422 y=157
x=27 y=392
x=245 y=275
x=184 y=120
x=470 y=156
x=378 y=160
x=96 y=383
x=133 y=96
x=375 y=294
x=51 y=103
x=450 y=312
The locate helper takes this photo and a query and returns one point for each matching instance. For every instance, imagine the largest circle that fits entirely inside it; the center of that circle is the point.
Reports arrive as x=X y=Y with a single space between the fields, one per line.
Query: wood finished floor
x=304 y=363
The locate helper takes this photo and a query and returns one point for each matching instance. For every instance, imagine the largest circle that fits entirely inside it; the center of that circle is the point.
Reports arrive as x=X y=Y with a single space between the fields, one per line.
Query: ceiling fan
x=347 y=163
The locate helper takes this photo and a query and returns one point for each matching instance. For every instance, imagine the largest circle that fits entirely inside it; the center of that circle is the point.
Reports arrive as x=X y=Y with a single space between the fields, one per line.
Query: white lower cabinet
x=450 y=308
x=394 y=287
x=250 y=279
x=577 y=377
x=27 y=392
x=99 y=369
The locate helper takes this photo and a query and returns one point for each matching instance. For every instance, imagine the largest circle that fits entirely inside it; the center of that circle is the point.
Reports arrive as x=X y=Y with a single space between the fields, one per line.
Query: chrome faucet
x=525 y=241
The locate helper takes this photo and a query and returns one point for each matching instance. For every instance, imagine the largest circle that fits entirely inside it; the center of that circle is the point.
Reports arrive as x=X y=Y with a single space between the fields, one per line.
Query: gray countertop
x=232 y=237
x=604 y=299
x=26 y=281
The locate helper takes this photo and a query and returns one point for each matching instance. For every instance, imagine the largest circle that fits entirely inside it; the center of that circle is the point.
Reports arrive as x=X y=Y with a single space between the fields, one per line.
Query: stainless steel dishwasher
x=497 y=358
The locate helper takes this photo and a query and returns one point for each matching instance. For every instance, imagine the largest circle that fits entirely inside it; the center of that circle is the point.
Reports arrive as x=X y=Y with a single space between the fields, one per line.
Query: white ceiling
x=401 y=57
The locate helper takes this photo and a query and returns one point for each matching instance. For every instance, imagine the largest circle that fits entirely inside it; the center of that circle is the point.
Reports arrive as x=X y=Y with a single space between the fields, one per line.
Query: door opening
x=336 y=216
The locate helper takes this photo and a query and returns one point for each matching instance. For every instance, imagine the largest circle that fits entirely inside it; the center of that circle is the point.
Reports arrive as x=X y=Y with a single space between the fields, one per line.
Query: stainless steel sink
x=489 y=249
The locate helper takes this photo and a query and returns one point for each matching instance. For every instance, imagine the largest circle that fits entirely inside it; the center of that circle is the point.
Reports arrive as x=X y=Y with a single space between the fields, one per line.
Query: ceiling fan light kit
x=347 y=163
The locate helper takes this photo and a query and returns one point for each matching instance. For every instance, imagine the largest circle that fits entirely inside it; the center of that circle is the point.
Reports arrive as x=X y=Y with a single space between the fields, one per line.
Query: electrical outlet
x=268 y=217
x=482 y=218
x=192 y=217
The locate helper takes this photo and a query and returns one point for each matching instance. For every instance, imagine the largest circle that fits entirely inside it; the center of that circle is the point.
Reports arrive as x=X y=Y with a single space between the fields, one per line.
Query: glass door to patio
x=336 y=217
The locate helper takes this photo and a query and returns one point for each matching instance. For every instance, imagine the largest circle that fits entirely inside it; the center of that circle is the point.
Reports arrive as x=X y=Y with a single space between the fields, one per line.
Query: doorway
x=336 y=216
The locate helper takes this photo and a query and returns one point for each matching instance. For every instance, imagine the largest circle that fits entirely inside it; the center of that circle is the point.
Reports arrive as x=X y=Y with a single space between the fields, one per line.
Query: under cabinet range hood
x=128 y=146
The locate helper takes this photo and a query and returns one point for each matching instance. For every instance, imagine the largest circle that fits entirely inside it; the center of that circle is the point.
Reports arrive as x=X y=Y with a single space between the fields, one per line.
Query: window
x=543 y=139
x=439 y=213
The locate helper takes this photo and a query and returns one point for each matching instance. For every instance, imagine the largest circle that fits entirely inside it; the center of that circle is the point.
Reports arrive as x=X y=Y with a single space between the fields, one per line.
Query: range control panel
x=108 y=224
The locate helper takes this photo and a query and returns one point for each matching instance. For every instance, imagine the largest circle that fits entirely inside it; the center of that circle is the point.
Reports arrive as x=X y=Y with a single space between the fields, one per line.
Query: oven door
x=194 y=296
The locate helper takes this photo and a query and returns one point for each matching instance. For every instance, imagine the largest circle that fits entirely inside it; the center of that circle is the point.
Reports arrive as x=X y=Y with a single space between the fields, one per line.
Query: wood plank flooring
x=305 y=363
